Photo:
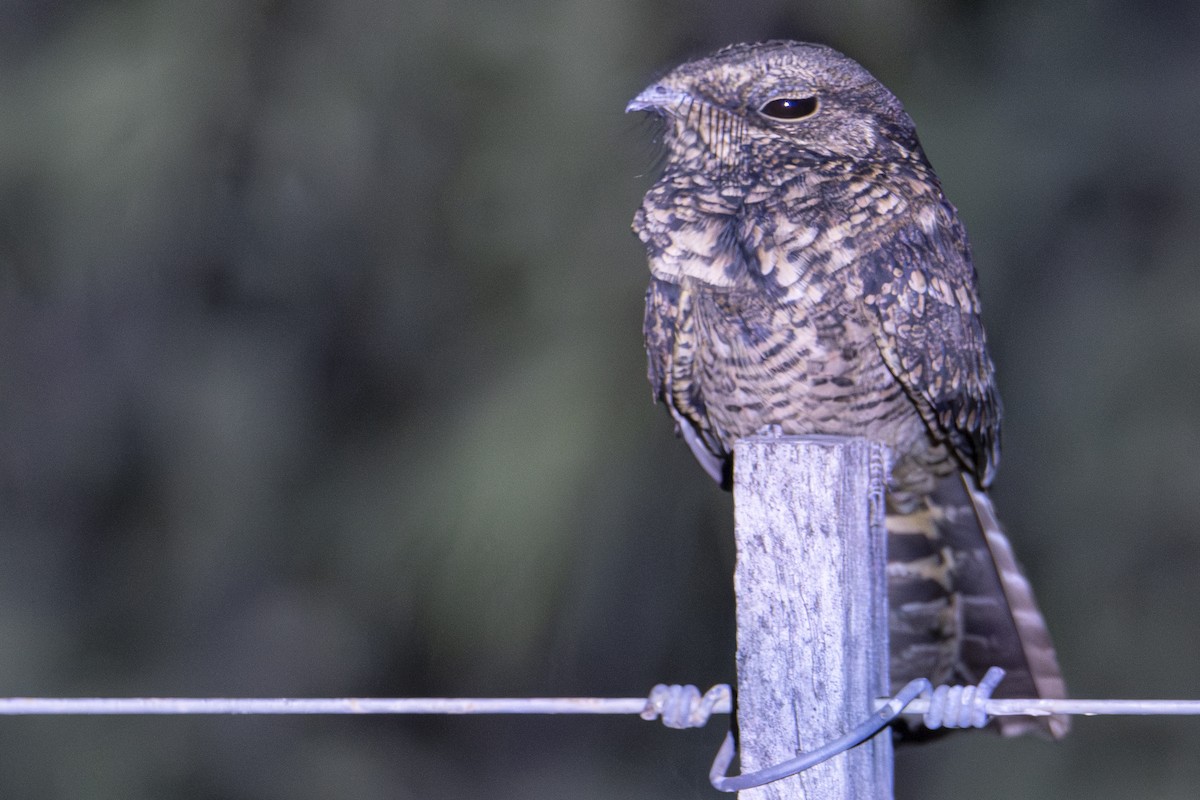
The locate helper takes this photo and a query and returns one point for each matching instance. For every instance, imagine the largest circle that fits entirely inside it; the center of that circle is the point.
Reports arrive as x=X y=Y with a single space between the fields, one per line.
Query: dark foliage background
x=320 y=374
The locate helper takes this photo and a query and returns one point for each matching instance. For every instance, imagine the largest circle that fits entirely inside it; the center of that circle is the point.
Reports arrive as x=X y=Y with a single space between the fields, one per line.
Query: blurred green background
x=321 y=375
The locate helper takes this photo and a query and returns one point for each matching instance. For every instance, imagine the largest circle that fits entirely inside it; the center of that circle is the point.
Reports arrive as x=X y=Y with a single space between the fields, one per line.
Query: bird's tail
x=959 y=604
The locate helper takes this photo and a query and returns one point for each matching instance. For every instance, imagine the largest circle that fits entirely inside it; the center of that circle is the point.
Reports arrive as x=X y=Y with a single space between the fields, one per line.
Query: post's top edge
x=821 y=439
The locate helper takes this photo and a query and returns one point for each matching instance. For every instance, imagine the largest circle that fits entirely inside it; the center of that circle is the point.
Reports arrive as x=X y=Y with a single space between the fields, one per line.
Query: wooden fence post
x=811 y=610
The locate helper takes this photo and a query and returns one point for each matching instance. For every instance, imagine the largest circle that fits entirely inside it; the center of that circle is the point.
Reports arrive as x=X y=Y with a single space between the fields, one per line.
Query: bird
x=809 y=276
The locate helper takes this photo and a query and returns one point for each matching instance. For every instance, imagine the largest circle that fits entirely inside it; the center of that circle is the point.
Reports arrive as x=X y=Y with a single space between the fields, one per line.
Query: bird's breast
x=800 y=367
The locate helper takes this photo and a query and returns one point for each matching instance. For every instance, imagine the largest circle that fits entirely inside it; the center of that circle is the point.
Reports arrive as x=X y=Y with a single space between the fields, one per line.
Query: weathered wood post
x=811 y=610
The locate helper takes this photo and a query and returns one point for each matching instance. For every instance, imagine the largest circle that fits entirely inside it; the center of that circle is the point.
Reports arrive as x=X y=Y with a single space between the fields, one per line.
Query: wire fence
x=30 y=706
x=679 y=706
x=16 y=706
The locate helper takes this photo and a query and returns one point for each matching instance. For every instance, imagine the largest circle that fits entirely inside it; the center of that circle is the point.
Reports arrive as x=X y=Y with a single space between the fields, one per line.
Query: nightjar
x=809 y=276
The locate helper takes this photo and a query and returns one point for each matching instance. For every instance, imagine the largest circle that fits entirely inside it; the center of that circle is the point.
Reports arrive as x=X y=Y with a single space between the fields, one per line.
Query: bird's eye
x=789 y=108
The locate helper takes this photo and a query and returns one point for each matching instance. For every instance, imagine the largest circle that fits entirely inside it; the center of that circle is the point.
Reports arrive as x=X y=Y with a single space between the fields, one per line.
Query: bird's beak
x=656 y=97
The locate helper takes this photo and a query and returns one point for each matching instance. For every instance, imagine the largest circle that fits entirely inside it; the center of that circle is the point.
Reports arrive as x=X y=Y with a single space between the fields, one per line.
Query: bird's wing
x=920 y=287
x=669 y=331
x=658 y=330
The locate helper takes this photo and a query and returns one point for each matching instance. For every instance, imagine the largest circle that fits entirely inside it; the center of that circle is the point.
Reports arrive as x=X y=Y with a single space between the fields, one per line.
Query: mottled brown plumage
x=808 y=275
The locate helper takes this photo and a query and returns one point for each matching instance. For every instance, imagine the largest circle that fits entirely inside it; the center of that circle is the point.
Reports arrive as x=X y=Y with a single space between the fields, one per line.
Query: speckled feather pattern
x=809 y=275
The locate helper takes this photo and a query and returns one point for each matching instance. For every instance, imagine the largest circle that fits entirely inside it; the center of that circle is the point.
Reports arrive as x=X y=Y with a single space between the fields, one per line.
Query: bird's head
x=766 y=106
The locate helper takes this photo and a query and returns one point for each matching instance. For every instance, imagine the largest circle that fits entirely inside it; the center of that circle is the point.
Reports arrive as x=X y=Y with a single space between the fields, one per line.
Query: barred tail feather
x=959 y=604
x=1041 y=676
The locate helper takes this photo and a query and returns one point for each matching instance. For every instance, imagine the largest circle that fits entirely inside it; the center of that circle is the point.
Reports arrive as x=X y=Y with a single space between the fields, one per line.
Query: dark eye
x=789 y=108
